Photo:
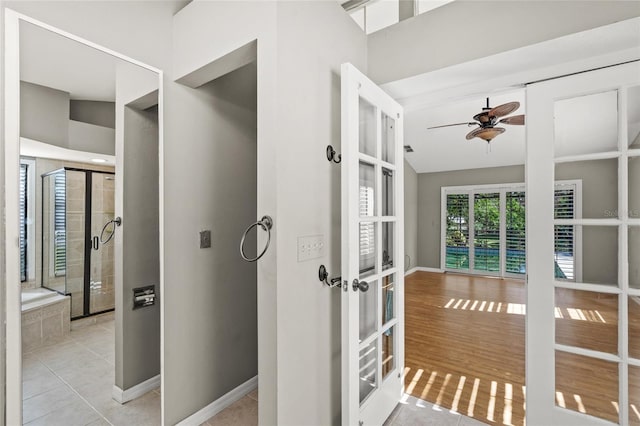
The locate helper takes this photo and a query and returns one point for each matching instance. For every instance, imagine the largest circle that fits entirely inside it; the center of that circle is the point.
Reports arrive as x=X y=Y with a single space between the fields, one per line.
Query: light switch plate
x=205 y=239
x=310 y=247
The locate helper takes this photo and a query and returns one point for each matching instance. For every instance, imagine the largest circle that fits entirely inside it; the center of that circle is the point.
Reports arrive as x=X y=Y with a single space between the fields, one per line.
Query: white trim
x=429 y=269
x=13 y=360
x=124 y=396
x=411 y=271
x=221 y=403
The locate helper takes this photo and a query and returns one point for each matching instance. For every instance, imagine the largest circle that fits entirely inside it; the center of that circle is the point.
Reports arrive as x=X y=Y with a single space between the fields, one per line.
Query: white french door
x=583 y=337
x=372 y=251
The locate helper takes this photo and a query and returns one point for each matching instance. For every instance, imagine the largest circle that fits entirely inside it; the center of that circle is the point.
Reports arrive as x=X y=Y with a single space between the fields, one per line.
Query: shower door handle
x=95 y=241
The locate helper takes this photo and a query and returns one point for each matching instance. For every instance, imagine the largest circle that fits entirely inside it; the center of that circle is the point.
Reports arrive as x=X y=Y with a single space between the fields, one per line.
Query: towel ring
x=265 y=223
x=116 y=222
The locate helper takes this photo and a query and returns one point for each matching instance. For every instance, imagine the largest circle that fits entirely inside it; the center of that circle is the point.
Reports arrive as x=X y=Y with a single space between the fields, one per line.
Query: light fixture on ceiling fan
x=488 y=119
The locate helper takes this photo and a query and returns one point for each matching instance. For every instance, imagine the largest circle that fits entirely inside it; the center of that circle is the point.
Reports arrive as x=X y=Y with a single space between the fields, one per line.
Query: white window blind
x=23 y=221
x=59 y=225
x=367 y=230
x=564 y=235
x=515 y=232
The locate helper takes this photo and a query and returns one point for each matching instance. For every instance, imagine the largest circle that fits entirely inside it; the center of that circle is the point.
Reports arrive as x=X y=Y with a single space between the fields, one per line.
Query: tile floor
x=416 y=412
x=70 y=382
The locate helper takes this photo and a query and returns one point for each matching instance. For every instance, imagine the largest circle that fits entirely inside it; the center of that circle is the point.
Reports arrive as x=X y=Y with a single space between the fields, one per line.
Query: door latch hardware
x=363 y=286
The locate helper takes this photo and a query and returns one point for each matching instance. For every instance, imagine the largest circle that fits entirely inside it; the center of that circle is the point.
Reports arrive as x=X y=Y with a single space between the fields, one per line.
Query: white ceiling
x=447 y=148
x=455 y=94
x=36 y=149
x=51 y=60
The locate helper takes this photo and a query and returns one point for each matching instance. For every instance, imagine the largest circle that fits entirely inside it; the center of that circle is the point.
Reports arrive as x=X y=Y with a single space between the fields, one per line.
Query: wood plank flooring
x=465 y=341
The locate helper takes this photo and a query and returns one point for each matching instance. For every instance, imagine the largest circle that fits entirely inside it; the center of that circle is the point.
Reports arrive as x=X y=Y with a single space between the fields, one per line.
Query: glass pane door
x=101 y=282
x=486 y=228
x=372 y=283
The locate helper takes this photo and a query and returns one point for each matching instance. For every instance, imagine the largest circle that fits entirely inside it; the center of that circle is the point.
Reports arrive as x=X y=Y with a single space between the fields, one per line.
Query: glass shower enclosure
x=76 y=204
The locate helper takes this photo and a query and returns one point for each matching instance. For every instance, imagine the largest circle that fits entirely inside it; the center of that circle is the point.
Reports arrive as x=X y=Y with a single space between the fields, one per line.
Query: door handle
x=363 y=286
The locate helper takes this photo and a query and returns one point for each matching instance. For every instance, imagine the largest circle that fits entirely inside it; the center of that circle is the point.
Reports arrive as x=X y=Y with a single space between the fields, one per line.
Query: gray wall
x=44 y=114
x=599 y=200
x=139 y=354
x=211 y=345
x=98 y=113
x=444 y=32
x=410 y=216
x=429 y=185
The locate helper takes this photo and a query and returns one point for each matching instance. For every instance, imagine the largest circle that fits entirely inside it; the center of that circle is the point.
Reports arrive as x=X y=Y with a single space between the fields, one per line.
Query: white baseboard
x=424 y=269
x=137 y=391
x=221 y=403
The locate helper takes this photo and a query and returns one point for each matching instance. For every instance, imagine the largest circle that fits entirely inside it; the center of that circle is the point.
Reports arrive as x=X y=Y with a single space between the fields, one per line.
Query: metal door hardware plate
x=205 y=239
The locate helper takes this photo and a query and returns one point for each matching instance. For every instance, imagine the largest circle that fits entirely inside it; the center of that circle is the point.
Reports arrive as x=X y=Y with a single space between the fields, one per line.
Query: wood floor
x=464 y=348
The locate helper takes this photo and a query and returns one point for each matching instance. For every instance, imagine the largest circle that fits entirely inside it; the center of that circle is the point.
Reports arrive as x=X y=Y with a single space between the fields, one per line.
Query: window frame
x=502 y=189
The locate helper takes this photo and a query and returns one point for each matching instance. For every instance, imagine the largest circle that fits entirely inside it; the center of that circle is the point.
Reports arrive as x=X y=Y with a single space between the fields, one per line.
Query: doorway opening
x=66 y=142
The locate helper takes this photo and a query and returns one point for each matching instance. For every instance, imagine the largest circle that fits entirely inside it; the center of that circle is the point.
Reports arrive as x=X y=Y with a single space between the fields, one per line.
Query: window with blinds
x=457 y=231
x=486 y=237
x=486 y=241
x=367 y=230
x=515 y=239
x=59 y=225
x=23 y=221
x=564 y=235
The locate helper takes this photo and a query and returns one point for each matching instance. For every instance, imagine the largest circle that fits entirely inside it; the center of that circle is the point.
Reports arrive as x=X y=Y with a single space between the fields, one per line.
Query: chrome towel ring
x=116 y=222
x=265 y=223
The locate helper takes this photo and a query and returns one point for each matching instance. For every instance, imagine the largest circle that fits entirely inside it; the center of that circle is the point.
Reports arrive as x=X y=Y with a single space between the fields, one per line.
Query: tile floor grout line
x=78 y=394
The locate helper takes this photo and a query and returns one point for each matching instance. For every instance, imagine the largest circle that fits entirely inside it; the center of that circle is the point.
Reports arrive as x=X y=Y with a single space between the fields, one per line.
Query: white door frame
x=13 y=304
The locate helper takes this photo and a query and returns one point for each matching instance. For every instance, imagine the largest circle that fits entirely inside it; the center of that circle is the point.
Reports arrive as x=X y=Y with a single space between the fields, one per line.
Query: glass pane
x=53 y=227
x=586 y=124
x=381 y=14
x=367 y=249
x=367 y=190
x=388 y=352
x=457 y=231
x=388 y=252
x=587 y=385
x=634 y=256
x=486 y=211
x=586 y=254
x=75 y=235
x=634 y=395
x=599 y=187
x=367 y=137
x=102 y=211
x=587 y=319
x=368 y=369
x=387 y=193
x=388 y=139
x=515 y=230
x=634 y=327
x=388 y=287
x=368 y=302
x=634 y=188
x=633 y=117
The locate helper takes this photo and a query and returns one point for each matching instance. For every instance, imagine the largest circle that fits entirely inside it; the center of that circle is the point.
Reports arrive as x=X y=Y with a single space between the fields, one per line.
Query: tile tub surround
x=45 y=318
x=70 y=383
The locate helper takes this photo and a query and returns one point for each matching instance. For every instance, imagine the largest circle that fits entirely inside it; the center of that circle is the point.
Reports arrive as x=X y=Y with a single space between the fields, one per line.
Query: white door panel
x=372 y=251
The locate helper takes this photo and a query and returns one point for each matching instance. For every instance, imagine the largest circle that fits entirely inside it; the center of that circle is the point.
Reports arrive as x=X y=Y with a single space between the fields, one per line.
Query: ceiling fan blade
x=504 y=109
x=517 y=120
x=486 y=134
x=449 y=125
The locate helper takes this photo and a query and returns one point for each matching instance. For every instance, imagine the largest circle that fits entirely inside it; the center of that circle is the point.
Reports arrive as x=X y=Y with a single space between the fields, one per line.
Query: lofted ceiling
x=455 y=94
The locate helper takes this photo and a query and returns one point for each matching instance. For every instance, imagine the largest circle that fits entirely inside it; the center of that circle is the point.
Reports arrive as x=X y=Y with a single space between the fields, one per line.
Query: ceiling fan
x=488 y=119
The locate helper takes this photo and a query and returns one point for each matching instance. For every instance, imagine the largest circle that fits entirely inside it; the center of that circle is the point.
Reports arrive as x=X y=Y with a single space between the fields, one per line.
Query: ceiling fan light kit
x=489 y=118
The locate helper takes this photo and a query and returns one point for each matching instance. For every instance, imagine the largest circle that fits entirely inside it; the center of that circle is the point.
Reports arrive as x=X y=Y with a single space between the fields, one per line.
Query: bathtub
x=46 y=318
